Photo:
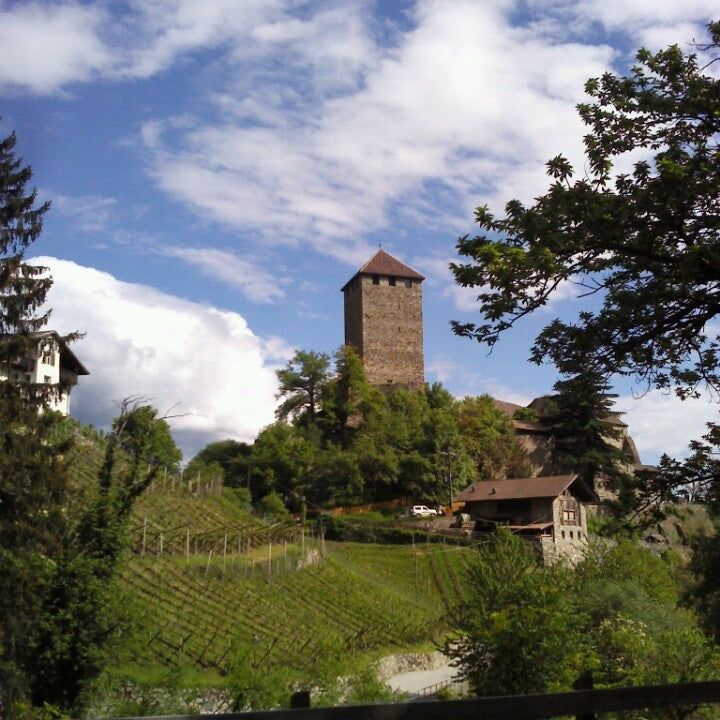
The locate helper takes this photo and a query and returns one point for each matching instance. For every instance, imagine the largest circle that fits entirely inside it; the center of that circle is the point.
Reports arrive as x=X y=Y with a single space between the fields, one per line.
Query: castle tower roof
x=382 y=263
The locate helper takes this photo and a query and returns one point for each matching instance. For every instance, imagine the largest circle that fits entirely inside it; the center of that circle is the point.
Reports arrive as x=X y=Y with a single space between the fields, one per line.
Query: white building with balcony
x=53 y=363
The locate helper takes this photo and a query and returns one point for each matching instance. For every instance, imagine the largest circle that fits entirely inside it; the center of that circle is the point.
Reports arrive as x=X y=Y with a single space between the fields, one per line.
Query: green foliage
x=489 y=440
x=616 y=615
x=239 y=496
x=579 y=418
x=302 y=384
x=646 y=244
x=518 y=633
x=33 y=479
x=77 y=617
x=526 y=414
x=365 y=687
x=705 y=589
x=355 y=529
x=147 y=437
x=357 y=599
x=232 y=456
x=364 y=445
x=272 y=504
x=199 y=471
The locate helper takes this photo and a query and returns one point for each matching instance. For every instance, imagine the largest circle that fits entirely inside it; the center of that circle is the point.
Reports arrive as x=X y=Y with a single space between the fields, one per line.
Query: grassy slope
x=357 y=599
x=204 y=613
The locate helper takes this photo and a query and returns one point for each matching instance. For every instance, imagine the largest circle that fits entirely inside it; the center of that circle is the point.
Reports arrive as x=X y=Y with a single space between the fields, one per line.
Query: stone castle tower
x=383 y=321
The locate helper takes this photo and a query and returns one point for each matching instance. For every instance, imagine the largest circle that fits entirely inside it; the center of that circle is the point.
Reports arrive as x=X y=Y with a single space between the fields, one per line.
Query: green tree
x=33 y=477
x=78 y=616
x=528 y=628
x=488 y=438
x=519 y=632
x=282 y=459
x=646 y=243
x=145 y=435
x=272 y=504
x=232 y=456
x=302 y=384
x=349 y=401
x=705 y=587
x=580 y=421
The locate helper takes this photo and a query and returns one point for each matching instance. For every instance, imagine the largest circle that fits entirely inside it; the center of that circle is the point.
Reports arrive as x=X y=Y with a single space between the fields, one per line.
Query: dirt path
x=415 y=680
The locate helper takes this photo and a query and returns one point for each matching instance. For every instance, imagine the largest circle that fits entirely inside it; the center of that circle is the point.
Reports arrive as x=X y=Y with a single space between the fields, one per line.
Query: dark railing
x=580 y=703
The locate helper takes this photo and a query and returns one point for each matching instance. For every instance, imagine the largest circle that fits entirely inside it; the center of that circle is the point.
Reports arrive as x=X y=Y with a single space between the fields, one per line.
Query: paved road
x=416 y=680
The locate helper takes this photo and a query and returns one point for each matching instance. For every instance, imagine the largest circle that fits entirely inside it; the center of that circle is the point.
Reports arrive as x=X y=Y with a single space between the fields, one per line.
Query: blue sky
x=218 y=170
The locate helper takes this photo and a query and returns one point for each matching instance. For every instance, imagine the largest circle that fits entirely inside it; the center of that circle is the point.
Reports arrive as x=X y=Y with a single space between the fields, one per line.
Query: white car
x=422 y=511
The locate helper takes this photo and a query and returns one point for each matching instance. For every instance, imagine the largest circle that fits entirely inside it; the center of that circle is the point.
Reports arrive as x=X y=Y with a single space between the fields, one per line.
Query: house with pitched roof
x=550 y=512
x=52 y=362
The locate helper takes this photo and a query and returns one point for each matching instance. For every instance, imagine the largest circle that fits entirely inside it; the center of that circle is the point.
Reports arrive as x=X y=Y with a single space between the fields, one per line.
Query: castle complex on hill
x=383 y=323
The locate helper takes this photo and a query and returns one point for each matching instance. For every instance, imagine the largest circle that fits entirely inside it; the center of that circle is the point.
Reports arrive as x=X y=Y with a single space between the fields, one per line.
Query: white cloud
x=45 y=46
x=663 y=423
x=48 y=45
x=464 y=100
x=92 y=213
x=254 y=282
x=142 y=341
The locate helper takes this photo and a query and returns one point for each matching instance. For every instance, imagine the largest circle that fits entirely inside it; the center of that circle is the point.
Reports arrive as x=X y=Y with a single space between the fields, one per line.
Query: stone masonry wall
x=390 y=340
x=353 y=315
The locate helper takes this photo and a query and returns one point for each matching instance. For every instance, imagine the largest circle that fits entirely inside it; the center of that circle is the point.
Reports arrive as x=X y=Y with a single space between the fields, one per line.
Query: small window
x=562 y=532
x=571 y=535
x=376 y=279
x=408 y=283
x=48 y=379
x=392 y=281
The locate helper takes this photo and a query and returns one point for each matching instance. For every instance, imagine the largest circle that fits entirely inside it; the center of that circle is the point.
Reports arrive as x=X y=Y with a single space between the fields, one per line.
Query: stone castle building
x=383 y=321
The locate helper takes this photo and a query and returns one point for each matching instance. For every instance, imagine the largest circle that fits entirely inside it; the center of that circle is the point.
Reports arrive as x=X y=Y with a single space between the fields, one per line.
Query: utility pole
x=448 y=455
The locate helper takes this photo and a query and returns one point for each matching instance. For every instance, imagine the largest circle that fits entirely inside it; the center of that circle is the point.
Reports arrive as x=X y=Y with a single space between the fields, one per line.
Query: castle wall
x=353 y=315
x=392 y=332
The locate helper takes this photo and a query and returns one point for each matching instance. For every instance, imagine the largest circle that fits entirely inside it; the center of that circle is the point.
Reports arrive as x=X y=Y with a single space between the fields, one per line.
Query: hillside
x=210 y=587
x=208 y=613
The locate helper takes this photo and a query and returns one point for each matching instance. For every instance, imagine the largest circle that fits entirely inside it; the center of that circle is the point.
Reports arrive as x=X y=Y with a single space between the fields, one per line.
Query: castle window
x=376 y=279
x=392 y=281
x=48 y=379
x=408 y=283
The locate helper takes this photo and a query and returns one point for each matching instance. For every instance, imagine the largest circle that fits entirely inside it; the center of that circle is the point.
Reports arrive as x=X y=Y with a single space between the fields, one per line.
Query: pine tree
x=32 y=473
x=580 y=419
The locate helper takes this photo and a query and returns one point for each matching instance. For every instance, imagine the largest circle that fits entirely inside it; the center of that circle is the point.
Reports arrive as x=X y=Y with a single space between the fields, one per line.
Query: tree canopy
x=643 y=241
x=302 y=382
x=647 y=242
x=364 y=445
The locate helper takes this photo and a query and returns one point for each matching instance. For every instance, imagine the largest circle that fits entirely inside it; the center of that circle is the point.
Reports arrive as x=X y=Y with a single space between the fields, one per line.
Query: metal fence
x=581 y=704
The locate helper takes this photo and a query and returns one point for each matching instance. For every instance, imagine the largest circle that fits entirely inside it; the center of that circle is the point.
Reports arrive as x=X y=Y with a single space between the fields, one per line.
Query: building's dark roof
x=533 y=427
x=640 y=468
x=507 y=407
x=68 y=359
x=537 y=487
x=382 y=263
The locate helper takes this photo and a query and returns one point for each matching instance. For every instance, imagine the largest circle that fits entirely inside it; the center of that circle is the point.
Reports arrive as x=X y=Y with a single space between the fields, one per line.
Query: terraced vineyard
x=214 y=586
x=192 y=525
x=207 y=613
